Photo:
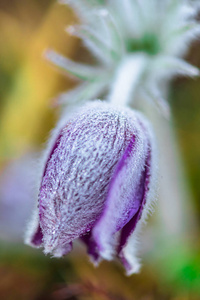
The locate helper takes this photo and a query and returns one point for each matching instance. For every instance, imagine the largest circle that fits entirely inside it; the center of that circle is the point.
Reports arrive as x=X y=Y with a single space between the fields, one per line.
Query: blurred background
x=29 y=86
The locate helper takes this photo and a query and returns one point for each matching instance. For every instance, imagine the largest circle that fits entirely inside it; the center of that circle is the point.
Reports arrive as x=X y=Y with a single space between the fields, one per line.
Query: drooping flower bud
x=97 y=184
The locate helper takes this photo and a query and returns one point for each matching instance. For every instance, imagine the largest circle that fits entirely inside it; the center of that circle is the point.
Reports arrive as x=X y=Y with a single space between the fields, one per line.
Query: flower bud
x=97 y=184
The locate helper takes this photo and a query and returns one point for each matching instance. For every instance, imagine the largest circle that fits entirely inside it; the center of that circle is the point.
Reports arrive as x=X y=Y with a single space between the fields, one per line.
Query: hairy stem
x=127 y=79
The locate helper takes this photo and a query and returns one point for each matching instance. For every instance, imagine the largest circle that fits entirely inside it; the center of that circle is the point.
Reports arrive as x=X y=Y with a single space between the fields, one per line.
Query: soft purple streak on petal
x=37 y=237
x=124 y=197
x=126 y=155
x=131 y=225
x=91 y=247
x=144 y=187
x=129 y=151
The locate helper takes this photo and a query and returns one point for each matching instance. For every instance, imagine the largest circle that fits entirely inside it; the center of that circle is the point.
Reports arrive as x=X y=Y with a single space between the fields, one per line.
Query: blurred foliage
x=185 y=98
x=31 y=275
x=27 y=85
x=27 y=81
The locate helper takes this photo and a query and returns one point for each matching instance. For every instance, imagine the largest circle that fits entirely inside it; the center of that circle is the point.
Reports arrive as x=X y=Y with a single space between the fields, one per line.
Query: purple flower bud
x=97 y=184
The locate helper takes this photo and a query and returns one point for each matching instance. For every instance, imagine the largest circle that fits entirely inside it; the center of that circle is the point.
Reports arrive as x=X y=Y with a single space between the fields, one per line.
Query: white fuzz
x=113 y=30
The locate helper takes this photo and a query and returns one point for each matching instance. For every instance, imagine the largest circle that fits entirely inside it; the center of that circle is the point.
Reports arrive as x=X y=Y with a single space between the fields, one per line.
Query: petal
x=129 y=257
x=36 y=240
x=91 y=248
x=129 y=235
x=62 y=250
x=78 y=171
x=142 y=190
x=130 y=262
x=34 y=235
x=125 y=195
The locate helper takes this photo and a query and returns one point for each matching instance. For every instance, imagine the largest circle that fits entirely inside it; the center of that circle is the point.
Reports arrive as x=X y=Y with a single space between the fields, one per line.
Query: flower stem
x=127 y=79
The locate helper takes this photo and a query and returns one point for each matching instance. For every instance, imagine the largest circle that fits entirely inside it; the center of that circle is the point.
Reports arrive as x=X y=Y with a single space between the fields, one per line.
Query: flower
x=139 y=41
x=97 y=184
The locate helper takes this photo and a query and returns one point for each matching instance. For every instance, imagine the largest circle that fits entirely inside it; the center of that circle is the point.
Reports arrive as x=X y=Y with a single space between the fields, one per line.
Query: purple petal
x=96 y=184
x=36 y=240
x=78 y=171
x=91 y=247
x=143 y=188
x=124 y=202
x=133 y=266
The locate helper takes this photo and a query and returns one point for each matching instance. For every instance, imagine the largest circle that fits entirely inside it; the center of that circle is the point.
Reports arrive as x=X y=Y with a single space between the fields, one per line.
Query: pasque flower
x=97 y=184
x=99 y=175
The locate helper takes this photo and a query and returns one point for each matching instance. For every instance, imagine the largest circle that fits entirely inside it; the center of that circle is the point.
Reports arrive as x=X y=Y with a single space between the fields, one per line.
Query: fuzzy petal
x=132 y=266
x=142 y=193
x=78 y=171
x=62 y=250
x=95 y=184
x=91 y=248
x=125 y=198
x=34 y=235
x=36 y=240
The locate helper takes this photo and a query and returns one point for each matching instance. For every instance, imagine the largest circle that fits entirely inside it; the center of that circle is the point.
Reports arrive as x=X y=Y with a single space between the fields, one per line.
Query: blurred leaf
x=27 y=117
